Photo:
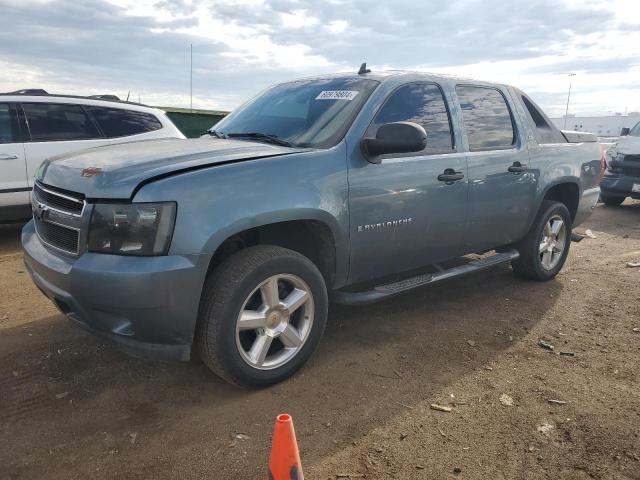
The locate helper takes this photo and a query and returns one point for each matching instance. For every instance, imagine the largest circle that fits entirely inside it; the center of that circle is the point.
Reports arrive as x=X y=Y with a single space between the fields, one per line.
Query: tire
x=532 y=263
x=611 y=201
x=268 y=344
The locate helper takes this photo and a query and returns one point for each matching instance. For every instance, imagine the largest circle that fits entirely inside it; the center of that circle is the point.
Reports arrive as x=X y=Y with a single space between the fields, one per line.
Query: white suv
x=35 y=127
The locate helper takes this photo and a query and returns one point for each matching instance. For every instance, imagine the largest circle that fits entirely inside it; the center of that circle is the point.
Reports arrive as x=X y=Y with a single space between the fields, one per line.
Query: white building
x=608 y=126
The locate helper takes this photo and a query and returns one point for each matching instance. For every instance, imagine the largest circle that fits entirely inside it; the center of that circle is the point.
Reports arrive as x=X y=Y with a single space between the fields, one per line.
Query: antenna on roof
x=363 y=69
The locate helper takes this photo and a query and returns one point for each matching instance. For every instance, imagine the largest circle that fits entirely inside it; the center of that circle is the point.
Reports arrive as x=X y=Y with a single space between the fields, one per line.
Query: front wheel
x=545 y=248
x=262 y=314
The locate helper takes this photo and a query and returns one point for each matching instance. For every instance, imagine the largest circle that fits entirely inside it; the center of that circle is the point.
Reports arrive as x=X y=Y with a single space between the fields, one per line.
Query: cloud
x=241 y=46
x=440 y=33
x=623 y=63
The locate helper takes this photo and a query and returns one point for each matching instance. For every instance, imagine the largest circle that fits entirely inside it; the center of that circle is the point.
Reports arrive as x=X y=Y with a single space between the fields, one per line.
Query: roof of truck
x=383 y=75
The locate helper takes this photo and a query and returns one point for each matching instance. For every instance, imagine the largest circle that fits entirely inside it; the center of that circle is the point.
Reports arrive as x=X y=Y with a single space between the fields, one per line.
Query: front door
x=405 y=213
x=14 y=189
x=501 y=186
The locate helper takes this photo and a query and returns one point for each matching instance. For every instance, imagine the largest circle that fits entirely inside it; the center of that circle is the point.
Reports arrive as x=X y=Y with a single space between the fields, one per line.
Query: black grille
x=630 y=169
x=58 y=236
x=61 y=201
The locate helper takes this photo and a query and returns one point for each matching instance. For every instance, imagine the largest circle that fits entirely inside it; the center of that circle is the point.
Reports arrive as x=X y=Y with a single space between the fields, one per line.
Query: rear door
x=404 y=213
x=14 y=189
x=501 y=185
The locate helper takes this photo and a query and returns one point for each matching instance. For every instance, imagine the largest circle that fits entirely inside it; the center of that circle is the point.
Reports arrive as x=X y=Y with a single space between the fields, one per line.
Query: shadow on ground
x=10 y=238
x=623 y=220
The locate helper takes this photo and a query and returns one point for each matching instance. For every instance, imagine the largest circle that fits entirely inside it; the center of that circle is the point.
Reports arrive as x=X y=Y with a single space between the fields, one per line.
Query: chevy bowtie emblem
x=91 y=172
x=40 y=211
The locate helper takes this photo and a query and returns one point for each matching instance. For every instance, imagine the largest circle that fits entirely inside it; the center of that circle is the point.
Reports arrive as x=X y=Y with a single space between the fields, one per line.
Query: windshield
x=635 y=131
x=307 y=113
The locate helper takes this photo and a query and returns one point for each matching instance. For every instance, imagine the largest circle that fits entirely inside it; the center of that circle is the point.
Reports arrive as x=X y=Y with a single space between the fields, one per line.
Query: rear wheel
x=262 y=315
x=611 y=200
x=545 y=248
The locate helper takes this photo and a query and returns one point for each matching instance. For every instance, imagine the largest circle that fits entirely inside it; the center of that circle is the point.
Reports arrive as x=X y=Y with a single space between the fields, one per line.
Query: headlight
x=614 y=162
x=132 y=229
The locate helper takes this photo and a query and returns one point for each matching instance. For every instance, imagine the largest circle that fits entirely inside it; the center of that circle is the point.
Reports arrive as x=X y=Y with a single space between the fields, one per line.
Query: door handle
x=6 y=156
x=517 y=167
x=450 y=175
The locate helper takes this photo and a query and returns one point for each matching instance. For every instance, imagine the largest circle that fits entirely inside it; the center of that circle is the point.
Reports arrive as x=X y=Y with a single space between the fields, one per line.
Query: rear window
x=487 y=118
x=545 y=131
x=55 y=122
x=7 y=124
x=116 y=122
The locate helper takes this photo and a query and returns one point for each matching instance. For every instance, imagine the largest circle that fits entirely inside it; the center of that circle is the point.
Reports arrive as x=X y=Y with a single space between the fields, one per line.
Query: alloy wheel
x=275 y=321
x=553 y=242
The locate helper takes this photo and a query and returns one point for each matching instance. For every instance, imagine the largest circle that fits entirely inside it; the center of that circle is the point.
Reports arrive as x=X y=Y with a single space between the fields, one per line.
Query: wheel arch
x=312 y=233
x=566 y=191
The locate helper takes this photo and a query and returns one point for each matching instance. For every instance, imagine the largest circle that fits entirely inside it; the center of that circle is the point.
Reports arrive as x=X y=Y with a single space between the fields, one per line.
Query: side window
x=8 y=124
x=545 y=132
x=421 y=103
x=50 y=122
x=116 y=122
x=486 y=117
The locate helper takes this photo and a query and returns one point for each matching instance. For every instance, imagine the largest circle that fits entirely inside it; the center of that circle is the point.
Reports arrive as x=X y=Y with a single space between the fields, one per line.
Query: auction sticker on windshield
x=337 y=95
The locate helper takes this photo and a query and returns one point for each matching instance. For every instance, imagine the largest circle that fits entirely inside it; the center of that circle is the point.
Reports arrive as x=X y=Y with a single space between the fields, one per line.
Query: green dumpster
x=193 y=123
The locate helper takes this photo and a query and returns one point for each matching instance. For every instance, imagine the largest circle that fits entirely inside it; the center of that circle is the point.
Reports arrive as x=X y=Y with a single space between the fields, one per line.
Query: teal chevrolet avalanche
x=350 y=187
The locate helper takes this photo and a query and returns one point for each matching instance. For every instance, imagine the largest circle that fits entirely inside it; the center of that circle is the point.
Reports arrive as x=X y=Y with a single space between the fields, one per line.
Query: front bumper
x=148 y=306
x=618 y=185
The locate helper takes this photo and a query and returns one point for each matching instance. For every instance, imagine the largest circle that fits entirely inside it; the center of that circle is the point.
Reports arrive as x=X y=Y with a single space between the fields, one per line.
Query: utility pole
x=566 y=112
x=191 y=77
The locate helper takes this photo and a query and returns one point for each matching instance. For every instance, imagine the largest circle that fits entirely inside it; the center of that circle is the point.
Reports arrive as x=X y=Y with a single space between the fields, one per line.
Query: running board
x=382 y=292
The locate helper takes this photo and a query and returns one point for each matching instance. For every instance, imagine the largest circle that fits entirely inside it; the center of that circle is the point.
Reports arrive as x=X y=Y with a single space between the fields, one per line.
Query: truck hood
x=115 y=171
x=627 y=145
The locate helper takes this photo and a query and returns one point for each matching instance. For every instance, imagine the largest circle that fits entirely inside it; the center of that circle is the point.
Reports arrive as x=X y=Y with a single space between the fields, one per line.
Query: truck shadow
x=10 y=238
x=64 y=387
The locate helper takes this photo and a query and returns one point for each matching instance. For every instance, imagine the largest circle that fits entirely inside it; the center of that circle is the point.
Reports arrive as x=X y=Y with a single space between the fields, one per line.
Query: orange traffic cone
x=284 y=461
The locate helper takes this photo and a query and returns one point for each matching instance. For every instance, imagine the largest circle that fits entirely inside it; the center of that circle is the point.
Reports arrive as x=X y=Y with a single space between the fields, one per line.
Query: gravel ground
x=74 y=407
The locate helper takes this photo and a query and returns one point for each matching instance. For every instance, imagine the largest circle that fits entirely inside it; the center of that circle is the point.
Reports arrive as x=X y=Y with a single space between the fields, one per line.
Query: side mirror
x=625 y=131
x=398 y=137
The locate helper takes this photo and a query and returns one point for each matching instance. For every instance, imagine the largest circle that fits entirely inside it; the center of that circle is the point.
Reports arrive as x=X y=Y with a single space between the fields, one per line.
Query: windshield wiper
x=215 y=133
x=261 y=136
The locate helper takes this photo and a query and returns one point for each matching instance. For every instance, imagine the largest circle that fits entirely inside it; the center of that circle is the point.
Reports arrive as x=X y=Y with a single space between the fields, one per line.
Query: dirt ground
x=73 y=407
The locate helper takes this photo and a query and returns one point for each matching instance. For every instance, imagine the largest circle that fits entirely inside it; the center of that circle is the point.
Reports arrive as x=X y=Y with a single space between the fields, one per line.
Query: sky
x=142 y=47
